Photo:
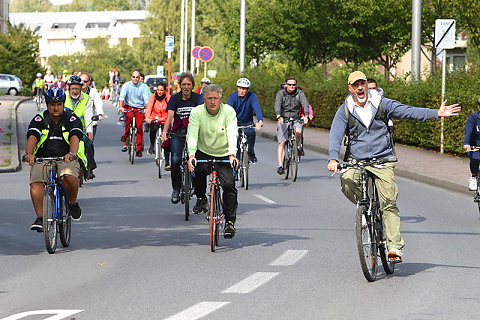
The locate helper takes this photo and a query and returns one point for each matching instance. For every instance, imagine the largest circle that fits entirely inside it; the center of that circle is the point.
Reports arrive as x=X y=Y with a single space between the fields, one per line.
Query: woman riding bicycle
x=472 y=138
x=156 y=115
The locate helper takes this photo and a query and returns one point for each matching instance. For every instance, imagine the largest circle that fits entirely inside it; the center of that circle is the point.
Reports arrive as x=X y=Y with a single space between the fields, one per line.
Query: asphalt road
x=133 y=256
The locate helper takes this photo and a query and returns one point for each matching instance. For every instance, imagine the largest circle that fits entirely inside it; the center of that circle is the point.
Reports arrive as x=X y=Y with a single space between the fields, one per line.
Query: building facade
x=64 y=33
x=4 y=10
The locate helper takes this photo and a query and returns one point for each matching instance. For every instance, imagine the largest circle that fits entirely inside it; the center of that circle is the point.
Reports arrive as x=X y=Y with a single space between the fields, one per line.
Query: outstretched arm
x=448 y=111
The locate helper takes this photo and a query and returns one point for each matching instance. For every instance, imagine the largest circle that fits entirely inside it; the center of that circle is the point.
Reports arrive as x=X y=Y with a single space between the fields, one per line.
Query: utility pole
x=416 y=38
x=185 y=47
x=192 y=43
x=242 y=36
x=181 y=34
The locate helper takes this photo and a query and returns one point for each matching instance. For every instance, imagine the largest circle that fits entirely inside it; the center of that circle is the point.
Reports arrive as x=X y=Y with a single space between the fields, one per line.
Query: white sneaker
x=472 y=183
x=395 y=255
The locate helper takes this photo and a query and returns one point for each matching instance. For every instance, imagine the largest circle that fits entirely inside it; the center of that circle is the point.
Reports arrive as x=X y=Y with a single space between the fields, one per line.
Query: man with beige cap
x=369 y=139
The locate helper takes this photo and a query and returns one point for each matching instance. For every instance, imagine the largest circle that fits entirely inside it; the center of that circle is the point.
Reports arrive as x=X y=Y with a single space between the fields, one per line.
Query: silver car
x=10 y=84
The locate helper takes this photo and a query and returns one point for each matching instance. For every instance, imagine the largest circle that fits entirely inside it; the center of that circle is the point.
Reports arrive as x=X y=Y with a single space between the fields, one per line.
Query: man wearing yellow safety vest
x=55 y=132
x=38 y=84
x=79 y=102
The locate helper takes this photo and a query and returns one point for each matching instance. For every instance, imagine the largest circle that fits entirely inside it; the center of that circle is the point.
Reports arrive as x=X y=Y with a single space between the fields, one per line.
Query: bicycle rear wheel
x=159 y=156
x=65 y=225
x=294 y=160
x=366 y=243
x=186 y=190
x=49 y=220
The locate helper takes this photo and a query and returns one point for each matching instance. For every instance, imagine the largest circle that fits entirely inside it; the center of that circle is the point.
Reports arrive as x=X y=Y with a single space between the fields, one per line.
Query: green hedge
x=327 y=95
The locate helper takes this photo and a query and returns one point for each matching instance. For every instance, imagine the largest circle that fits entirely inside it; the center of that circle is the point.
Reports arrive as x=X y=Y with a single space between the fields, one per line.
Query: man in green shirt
x=212 y=134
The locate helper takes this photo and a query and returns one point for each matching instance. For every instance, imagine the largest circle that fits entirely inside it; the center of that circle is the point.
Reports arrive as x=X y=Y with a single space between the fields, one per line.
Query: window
x=97 y=25
x=63 y=26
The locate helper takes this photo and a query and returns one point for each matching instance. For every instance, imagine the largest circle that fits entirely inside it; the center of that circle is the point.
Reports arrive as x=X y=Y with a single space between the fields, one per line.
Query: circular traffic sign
x=195 y=52
x=206 y=54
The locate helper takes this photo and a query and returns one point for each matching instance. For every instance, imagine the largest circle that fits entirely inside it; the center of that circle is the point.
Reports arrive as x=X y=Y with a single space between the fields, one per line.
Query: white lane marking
x=289 y=258
x=197 y=311
x=252 y=282
x=259 y=196
x=58 y=314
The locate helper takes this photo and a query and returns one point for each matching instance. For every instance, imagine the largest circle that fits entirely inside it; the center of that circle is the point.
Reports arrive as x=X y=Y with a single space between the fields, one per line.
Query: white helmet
x=243 y=82
x=39 y=75
x=205 y=80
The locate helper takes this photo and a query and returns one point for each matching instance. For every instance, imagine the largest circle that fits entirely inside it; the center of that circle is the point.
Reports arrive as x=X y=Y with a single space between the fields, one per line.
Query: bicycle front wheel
x=213 y=219
x=159 y=156
x=65 y=222
x=294 y=160
x=244 y=168
x=186 y=191
x=286 y=159
x=133 y=145
x=49 y=220
x=366 y=243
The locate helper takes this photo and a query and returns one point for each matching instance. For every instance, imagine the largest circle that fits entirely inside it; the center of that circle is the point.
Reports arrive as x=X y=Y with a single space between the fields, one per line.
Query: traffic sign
x=444 y=34
x=169 y=42
x=176 y=75
x=206 y=54
x=195 y=52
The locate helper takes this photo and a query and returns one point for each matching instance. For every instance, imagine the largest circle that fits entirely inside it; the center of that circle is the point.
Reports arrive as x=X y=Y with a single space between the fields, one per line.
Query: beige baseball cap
x=356 y=75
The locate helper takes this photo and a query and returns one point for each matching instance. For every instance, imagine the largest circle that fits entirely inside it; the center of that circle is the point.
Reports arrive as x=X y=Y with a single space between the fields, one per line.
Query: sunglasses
x=135 y=77
x=291 y=84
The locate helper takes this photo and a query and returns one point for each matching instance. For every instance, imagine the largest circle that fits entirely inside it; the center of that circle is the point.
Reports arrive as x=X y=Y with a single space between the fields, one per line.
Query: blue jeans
x=176 y=148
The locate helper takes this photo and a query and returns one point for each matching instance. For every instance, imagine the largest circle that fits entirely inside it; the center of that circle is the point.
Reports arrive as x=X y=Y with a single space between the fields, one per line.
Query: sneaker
x=280 y=170
x=395 y=255
x=252 y=158
x=151 y=150
x=139 y=153
x=175 y=198
x=472 y=183
x=167 y=167
x=123 y=139
x=300 y=151
x=124 y=149
x=75 y=211
x=37 y=225
x=201 y=206
x=229 y=230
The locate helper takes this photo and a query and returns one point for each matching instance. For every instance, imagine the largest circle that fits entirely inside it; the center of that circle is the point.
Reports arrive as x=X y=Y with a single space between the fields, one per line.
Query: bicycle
x=38 y=99
x=215 y=216
x=369 y=225
x=186 y=191
x=115 y=96
x=476 y=195
x=56 y=216
x=159 y=152
x=132 y=135
x=244 y=160
x=291 y=157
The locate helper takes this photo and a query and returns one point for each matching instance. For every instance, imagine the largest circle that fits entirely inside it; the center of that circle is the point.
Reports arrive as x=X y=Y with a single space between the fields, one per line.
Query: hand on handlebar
x=258 y=125
x=164 y=135
x=192 y=162
x=467 y=148
x=333 y=166
x=233 y=161
x=30 y=158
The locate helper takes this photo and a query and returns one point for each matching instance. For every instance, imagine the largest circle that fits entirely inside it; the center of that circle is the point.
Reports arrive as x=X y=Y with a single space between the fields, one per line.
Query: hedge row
x=327 y=95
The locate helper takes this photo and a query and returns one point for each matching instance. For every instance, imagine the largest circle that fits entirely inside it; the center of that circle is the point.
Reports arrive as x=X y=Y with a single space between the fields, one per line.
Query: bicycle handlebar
x=195 y=161
x=365 y=163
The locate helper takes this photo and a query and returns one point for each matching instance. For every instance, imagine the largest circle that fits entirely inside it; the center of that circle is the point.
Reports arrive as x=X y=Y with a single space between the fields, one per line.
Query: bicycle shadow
x=407 y=269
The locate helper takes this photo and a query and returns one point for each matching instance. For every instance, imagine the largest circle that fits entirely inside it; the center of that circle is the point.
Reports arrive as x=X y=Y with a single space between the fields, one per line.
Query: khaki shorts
x=282 y=130
x=39 y=171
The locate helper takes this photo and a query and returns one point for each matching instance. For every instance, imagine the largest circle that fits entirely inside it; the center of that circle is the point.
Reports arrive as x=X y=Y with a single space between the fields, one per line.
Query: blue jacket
x=245 y=107
x=373 y=139
x=472 y=130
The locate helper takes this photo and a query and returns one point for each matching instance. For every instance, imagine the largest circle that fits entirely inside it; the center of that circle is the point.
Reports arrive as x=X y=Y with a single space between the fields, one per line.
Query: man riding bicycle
x=287 y=105
x=245 y=102
x=55 y=133
x=361 y=119
x=212 y=134
x=178 y=110
x=134 y=96
x=38 y=85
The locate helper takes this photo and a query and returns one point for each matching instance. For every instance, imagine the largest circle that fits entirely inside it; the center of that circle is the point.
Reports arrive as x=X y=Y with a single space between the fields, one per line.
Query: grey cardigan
x=372 y=140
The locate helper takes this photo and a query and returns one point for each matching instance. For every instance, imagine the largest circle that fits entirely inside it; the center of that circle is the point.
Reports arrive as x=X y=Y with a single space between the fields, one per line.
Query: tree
x=19 y=54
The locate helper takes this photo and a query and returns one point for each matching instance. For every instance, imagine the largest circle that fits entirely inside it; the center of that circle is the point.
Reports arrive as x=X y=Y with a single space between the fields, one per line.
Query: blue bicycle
x=56 y=216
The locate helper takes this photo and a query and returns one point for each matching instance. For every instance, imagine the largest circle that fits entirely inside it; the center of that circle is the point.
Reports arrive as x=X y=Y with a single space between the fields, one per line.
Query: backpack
x=352 y=123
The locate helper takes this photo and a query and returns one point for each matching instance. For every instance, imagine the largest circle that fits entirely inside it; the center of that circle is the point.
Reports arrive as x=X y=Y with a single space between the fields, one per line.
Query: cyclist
x=212 y=134
x=65 y=76
x=287 y=105
x=80 y=103
x=204 y=82
x=134 y=96
x=38 y=85
x=155 y=116
x=58 y=82
x=369 y=138
x=472 y=138
x=54 y=133
x=245 y=102
x=97 y=110
x=178 y=110
x=49 y=79
x=115 y=83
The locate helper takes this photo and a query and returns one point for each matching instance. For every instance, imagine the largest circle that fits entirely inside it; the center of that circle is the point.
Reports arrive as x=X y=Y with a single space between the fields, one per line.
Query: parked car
x=153 y=80
x=10 y=84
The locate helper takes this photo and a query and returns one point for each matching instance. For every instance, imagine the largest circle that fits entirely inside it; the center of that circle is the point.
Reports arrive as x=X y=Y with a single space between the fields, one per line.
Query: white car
x=10 y=84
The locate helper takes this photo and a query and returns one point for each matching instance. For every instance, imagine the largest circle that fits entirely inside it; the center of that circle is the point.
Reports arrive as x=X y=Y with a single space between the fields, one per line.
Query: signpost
x=169 y=46
x=195 y=52
x=206 y=55
x=444 y=39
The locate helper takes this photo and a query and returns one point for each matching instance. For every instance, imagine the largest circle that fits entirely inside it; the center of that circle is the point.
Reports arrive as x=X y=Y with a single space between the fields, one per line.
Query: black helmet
x=54 y=95
x=74 y=80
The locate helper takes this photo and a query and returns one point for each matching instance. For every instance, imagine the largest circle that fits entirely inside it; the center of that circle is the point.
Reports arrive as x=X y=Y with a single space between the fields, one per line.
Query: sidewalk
x=429 y=167
x=9 y=154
